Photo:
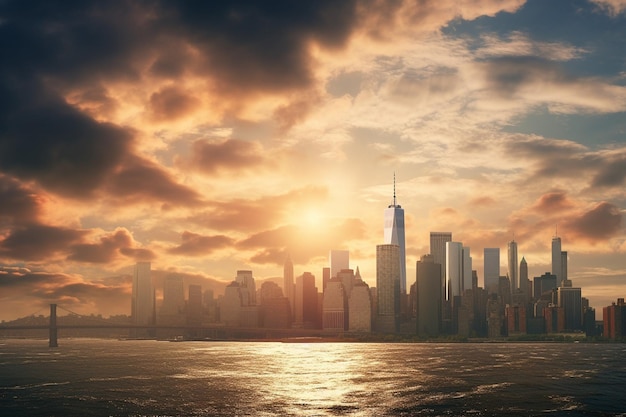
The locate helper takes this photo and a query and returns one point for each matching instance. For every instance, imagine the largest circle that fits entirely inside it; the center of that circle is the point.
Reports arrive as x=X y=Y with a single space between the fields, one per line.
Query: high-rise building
x=512 y=266
x=275 y=308
x=231 y=304
x=570 y=299
x=173 y=296
x=194 y=305
x=454 y=269
x=142 y=308
x=438 y=251
x=388 y=287
x=556 y=259
x=346 y=276
x=306 y=301
x=524 y=282
x=360 y=307
x=334 y=306
x=248 y=287
x=339 y=259
x=288 y=283
x=394 y=234
x=563 y=267
x=466 y=284
x=543 y=285
x=428 y=274
x=491 y=262
x=614 y=319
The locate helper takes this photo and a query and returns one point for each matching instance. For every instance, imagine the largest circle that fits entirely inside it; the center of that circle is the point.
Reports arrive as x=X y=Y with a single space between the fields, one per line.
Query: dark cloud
x=612 y=173
x=194 y=244
x=171 y=103
x=37 y=242
x=597 y=224
x=552 y=203
x=506 y=75
x=63 y=149
x=139 y=179
x=230 y=155
x=260 y=46
x=18 y=204
x=109 y=248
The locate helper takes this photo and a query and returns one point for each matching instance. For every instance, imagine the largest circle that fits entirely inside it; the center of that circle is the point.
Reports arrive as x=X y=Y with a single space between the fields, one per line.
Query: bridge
x=218 y=331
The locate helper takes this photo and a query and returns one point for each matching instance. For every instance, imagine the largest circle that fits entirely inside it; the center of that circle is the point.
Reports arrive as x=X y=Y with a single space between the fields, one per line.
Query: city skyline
x=223 y=137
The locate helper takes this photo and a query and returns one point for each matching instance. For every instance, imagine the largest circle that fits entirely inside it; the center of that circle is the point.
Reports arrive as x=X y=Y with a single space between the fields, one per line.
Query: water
x=89 y=377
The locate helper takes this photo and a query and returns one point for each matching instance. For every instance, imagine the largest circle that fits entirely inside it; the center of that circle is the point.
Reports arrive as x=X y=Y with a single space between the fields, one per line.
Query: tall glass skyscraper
x=556 y=260
x=388 y=287
x=142 y=309
x=491 y=261
x=513 y=271
x=394 y=234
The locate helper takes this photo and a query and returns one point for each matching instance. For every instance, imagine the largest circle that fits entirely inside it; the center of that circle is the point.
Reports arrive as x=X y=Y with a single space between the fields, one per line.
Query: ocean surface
x=92 y=377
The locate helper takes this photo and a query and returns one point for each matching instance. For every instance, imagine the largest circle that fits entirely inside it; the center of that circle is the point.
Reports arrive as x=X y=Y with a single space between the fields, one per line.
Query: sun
x=312 y=218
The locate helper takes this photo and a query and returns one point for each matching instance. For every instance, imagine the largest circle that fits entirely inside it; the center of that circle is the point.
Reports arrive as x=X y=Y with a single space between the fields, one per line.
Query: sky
x=209 y=137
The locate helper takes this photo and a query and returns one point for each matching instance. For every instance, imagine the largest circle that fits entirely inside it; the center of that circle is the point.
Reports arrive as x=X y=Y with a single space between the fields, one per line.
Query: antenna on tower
x=394 y=188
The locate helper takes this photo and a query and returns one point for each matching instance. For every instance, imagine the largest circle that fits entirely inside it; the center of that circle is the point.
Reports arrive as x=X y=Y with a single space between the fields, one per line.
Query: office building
x=570 y=299
x=306 y=301
x=173 y=296
x=438 y=251
x=388 y=287
x=288 y=283
x=557 y=260
x=360 y=307
x=394 y=234
x=428 y=274
x=491 y=263
x=563 y=266
x=275 y=310
x=544 y=285
x=454 y=269
x=248 y=287
x=334 y=307
x=339 y=259
x=614 y=318
x=466 y=283
x=194 y=305
x=142 y=306
x=513 y=265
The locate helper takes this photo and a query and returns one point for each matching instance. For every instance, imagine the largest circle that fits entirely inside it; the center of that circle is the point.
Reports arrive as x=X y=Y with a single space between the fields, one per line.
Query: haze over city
x=210 y=138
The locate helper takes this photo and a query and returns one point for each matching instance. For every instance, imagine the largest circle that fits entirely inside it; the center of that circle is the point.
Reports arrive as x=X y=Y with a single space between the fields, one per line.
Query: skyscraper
x=288 y=284
x=173 y=296
x=556 y=259
x=524 y=283
x=454 y=269
x=513 y=272
x=466 y=284
x=248 y=287
x=339 y=259
x=428 y=274
x=394 y=234
x=306 y=301
x=142 y=308
x=388 y=287
x=438 y=251
x=563 y=267
x=491 y=262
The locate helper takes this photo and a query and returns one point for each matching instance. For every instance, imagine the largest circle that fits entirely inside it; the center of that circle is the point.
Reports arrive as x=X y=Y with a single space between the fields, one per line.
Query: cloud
x=552 y=203
x=108 y=249
x=140 y=180
x=194 y=244
x=37 y=242
x=247 y=215
x=302 y=243
x=612 y=7
x=172 y=103
x=231 y=155
x=598 y=224
x=18 y=204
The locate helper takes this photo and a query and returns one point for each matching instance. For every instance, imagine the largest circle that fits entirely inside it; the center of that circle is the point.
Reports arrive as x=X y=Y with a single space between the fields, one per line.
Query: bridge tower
x=53 y=327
